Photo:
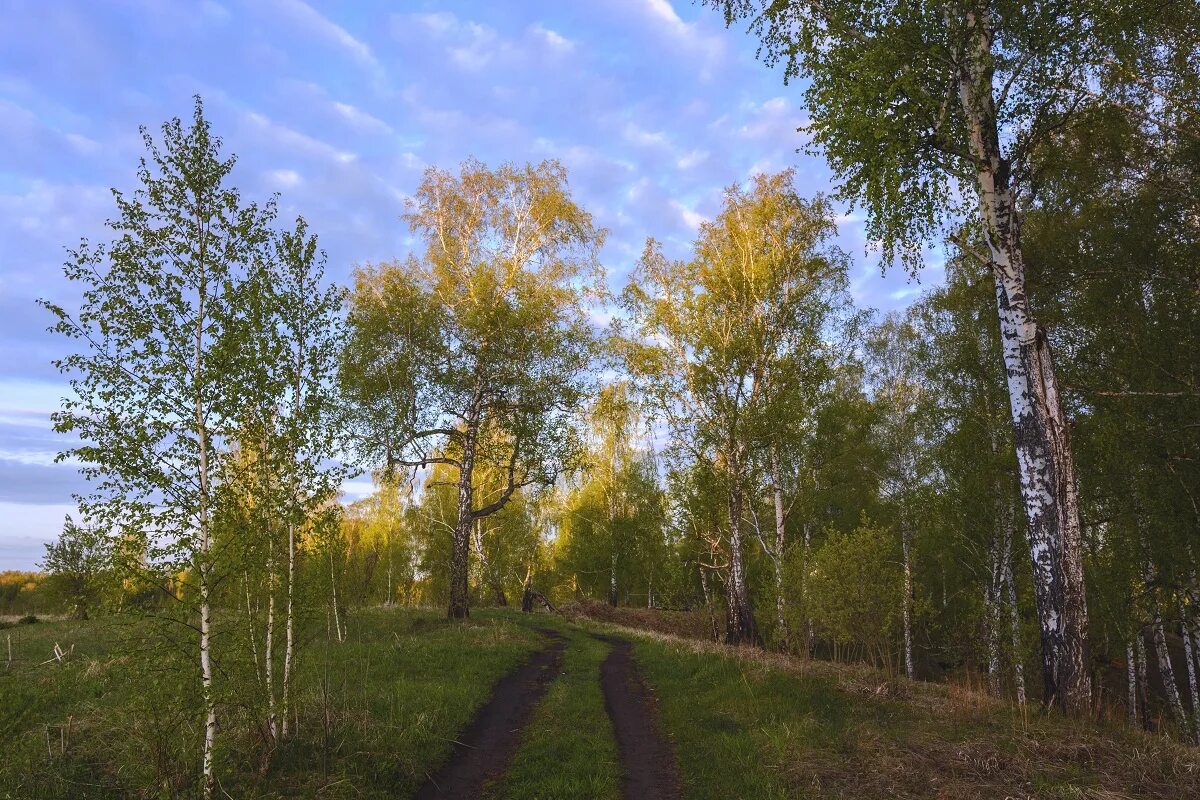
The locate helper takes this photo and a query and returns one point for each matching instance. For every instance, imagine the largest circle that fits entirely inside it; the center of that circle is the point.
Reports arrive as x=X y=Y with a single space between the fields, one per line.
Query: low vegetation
x=378 y=712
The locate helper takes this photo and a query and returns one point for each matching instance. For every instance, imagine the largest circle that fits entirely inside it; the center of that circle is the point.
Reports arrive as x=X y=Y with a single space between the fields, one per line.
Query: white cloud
x=710 y=47
x=434 y=22
x=691 y=158
x=361 y=119
x=284 y=178
x=305 y=16
x=555 y=40
x=281 y=135
x=690 y=218
x=637 y=135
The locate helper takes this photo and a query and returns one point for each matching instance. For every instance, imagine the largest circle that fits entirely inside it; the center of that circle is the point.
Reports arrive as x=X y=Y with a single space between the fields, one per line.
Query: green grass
x=379 y=712
x=568 y=751
x=375 y=713
x=752 y=725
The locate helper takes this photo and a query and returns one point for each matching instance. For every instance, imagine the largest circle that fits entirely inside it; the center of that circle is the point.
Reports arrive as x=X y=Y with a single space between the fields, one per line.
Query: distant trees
x=77 y=562
x=723 y=344
x=914 y=104
x=476 y=355
x=611 y=532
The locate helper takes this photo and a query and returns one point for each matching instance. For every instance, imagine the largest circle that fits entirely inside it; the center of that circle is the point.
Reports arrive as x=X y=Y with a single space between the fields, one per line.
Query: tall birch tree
x=157 y=394
x=477 y=352
x=719 y=341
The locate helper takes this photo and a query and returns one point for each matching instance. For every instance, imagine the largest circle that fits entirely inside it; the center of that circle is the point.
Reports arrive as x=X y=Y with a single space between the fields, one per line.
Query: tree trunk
x=1190 y=660
x=906 y=600
x=1131 y=683
x=708 y=604
x=1167 y=673
x=781 y=628
x=991 y=608
x=202 y=559
x=1041 y=435
x=740 y=626
x=1139 y=646
x=250 y=626
x=612 y=577
x=290 y=635
x=1014 y=617
x=269 y=645
x=809 y=627
x=337 y=621
x=461 y=541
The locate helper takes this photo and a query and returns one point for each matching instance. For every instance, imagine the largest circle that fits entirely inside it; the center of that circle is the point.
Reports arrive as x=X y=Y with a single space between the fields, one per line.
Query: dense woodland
x=997 y=484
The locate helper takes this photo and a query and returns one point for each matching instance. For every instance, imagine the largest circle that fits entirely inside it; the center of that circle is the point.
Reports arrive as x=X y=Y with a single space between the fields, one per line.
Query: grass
x=751 y=724
x=374 y=713
x=377 y=713
x=568 y=751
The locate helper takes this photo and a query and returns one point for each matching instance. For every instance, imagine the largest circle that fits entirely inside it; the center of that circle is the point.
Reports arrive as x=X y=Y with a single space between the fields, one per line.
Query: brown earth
x=647 y=761
x=484 y=750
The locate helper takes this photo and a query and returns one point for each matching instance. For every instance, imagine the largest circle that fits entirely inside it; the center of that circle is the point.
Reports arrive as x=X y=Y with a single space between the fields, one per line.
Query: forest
x=995 y=488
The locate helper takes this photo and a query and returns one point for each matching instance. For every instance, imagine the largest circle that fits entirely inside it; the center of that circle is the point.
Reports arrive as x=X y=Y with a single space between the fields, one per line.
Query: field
x=391 y=711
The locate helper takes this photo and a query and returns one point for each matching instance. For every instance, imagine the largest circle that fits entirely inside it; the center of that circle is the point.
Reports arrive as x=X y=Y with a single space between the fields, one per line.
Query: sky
x=652 y=105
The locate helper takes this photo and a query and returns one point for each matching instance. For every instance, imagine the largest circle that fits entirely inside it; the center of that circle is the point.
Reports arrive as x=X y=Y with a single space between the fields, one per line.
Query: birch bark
x=1041 y=435
x=1131 y=684
x=740 y=625
x=202 y=555
x=781 y=626
x=907 y=600
x=461 y=537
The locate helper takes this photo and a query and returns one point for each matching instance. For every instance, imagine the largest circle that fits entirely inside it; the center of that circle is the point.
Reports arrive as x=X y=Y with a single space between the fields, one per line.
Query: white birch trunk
x=289 y=633
x=740 y=626
x=1139 y=646
x=1014 y=616
x=809 y=626
x=1047 y=472
x=708 y=605
x=781 y=626
x=1165 y=669
x=1189 y=656
x=269 y=644
x=202 y=563
x=1131 y=683
x=337 y=622
x=250 y=627
x=906 y=546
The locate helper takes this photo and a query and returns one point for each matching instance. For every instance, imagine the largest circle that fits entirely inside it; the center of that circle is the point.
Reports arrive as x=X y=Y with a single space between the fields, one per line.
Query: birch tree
x=157 y=394
x=922 y=106
x=477 y=352
x=721 y=340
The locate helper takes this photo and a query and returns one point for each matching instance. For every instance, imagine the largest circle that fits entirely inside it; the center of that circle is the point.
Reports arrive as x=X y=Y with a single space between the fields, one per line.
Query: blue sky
x=652 y=105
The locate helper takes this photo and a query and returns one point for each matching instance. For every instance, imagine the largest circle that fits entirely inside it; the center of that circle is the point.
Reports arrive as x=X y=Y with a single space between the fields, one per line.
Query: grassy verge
x=568 y=751
x=373 y=715
x=750 y=724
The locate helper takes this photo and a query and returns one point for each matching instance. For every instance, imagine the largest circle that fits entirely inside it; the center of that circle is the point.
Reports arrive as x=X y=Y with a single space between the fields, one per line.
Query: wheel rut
x=484 y=750
x=647 y=760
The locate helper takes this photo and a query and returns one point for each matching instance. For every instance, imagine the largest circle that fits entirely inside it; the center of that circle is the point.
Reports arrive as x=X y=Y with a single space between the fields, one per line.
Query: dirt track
x=647 y=760
x=485 y=748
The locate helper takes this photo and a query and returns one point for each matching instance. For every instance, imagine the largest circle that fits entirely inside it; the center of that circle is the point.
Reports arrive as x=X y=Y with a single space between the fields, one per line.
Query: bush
x=28 y=619
x=854 y=590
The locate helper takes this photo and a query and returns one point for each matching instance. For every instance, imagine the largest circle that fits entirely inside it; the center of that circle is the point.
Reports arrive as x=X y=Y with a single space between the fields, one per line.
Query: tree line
x=1000 y=479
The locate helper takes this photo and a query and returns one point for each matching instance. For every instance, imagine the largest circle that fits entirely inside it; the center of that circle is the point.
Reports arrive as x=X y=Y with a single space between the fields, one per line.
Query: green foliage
x=77 y=563
x=853 y=588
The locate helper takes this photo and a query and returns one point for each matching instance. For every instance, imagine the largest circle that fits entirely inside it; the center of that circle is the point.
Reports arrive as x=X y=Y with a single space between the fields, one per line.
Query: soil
x=484 y=750
x=650 y=772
